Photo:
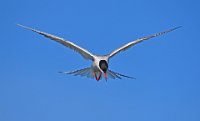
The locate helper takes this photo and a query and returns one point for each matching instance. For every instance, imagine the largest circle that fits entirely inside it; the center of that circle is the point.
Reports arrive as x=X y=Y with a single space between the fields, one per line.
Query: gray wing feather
x=86 y=54
x=132 y=43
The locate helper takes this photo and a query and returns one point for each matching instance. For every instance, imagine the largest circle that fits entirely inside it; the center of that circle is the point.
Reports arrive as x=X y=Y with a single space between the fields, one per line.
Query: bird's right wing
x=132 y=43
x=83 y=52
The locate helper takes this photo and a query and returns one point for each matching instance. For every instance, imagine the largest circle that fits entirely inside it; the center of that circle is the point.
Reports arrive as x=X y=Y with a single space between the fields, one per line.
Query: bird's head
x=104 y=66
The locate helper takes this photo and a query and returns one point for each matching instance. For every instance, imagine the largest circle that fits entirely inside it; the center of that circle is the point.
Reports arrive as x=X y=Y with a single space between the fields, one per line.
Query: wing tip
x=21 y=25
x=177 y=27
x=25 y=27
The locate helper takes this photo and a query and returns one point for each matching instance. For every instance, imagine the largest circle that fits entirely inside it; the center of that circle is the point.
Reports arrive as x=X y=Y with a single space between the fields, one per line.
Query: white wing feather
x=86 y=54
x=132 y=43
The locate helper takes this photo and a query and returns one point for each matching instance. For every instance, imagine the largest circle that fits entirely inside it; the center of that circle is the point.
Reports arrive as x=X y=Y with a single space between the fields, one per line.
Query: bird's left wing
x=132 y=43
x=86 y=54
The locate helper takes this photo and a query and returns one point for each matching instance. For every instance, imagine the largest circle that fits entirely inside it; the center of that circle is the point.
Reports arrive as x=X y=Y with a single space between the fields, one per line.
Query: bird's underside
x=99 y=62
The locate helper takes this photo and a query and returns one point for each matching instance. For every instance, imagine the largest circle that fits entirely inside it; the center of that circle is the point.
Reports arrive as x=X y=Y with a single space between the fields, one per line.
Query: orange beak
x=105 y=76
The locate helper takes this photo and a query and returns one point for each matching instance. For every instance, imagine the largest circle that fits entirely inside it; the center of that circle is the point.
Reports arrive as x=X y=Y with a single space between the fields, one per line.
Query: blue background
x=167 y=68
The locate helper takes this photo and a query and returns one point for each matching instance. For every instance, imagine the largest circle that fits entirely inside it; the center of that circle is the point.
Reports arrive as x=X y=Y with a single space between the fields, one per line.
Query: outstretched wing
x=86 y=54
x=130 y=44
x=82 y=72
x=114 y=75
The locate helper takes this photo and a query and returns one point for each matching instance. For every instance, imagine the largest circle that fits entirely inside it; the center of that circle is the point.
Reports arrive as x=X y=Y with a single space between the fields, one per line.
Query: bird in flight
x=99 y=63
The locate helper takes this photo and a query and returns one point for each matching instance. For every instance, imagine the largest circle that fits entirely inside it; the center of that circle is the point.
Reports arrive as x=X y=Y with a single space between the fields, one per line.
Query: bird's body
x=100 y=64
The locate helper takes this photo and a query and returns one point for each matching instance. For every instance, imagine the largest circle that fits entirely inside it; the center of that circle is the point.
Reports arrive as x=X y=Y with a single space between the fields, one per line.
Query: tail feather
x=114 y=75
x=82 y=72
x=88 y=72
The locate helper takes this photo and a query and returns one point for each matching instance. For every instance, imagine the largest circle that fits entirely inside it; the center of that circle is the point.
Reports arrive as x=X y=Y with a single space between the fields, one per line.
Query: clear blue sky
x=167 y=68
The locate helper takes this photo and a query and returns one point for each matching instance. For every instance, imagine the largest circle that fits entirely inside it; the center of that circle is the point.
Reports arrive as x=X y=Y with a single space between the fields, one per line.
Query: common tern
x=99 y=63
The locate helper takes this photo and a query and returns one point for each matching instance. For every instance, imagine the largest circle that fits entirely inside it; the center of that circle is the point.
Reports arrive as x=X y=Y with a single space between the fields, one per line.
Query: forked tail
x=88 y=72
